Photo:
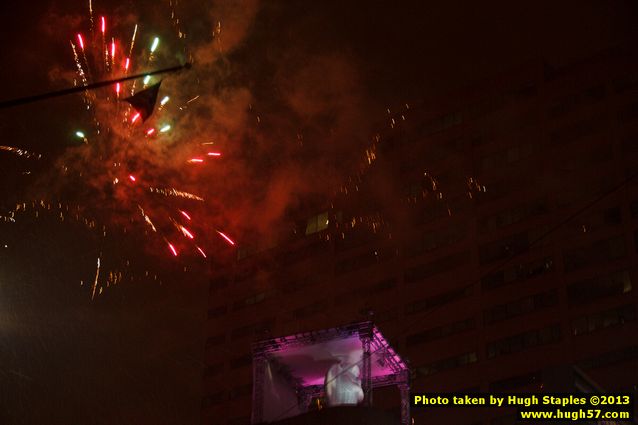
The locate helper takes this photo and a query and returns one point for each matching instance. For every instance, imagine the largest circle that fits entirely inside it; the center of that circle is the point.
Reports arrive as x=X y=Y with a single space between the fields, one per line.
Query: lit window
x=317 y=223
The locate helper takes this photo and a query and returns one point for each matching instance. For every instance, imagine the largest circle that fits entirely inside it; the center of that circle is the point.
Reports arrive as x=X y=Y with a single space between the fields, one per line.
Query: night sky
x=326 y=70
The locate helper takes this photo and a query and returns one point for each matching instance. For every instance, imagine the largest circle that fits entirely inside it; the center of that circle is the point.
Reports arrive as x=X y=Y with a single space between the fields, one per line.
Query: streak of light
x=165 y=128
x=214 y=154
x=97 y=275
x=133 y=40
x=186 y=232
x=201 y=252
x=132 y=178
x=195 y=160
x=150 y=131
x=165 y=100
x=172 y=248
x=155 y=44
x=103 y=24
x=174 y=192
x=135 y=117
x=185 y=214
x=229 y=240
x=81 y=41
x=20 y=152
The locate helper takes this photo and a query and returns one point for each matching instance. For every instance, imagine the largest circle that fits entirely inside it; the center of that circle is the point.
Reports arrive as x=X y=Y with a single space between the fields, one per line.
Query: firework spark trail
x=91 y=14
x=20 y=152
x=97 y=275
x=229 y=240
x=174 y=192
x=79 y=66
x=130 y=51
x=61 y=211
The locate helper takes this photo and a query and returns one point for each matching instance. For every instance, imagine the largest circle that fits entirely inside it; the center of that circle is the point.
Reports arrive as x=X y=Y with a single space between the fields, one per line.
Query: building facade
x=489 y=237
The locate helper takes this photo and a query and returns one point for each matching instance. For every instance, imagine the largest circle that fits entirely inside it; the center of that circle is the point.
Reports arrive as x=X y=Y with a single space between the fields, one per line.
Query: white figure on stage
x=343 y=383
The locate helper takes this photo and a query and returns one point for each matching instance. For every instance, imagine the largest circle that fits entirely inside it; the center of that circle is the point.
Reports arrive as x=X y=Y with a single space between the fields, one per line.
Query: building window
x=240 y=391
x=600 y=251
x=241 y=361
x=255 y=299
x=591 y=290
x=447 y=363
x=586 y=128
x=309 y=310
x=506 y=156
x=626 y=83
x=258 y=329
x=567 y=103
x=524 y=341
x=440 y=332
x=517 y=273
x=214 y=369
x=317 y=223
x=520 y=307
x=214 y=399
x=438 y=300
x=430 y=240
x=303 y=252
x=503 y=248
x=216 y=312
x=241 y=420
x=604 y=319
x=213 y=341
x=445 y=264
x=511 y=216
x=366 y=259
x=385 y=315
x=598 y=220
x=514 y=382
x=383 y=285
x=218 y=283
x=610 y=358
x=629 y=112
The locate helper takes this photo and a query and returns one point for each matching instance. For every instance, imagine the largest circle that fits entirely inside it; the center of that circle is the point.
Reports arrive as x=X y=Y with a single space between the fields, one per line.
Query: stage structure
x=336 y=367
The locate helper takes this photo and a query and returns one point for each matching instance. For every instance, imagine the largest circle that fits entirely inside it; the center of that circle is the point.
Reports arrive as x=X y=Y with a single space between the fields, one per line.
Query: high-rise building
x=490 y=237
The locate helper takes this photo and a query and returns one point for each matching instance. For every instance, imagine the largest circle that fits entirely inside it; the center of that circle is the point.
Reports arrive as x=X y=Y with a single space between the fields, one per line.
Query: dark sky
x=135 y=355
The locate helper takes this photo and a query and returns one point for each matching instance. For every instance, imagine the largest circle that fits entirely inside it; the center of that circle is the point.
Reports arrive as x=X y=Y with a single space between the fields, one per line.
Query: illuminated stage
x=292 y=372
